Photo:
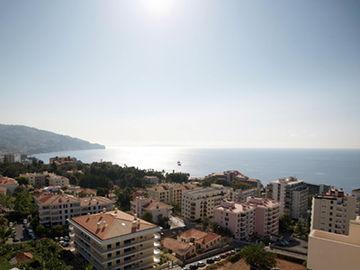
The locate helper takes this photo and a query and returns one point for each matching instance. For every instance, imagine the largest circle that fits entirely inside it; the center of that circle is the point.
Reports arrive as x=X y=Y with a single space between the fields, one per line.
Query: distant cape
x=28 y=140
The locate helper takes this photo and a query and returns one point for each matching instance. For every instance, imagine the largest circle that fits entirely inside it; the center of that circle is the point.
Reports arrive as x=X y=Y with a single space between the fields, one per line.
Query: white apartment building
x=240 y=195
x=115 y=240
x=333 y=211
x=170 y=193
x=267 y=215
x=356 y=194
x=56 y=209
x=331 y=251
x=239 y=218
x=45 y=179
x=199 y=203
x=292 y=194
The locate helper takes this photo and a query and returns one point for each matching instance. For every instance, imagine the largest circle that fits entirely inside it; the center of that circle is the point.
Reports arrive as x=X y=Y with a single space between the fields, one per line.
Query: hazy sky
x=184 y=72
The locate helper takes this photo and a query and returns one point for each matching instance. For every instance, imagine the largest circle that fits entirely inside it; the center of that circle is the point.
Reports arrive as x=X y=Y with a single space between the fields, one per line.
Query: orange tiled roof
x=50 y=199
x=88 y=201
x=112 y=224
x=153 y=205
x=7 y=181
x=193 y=233
x=175 y=245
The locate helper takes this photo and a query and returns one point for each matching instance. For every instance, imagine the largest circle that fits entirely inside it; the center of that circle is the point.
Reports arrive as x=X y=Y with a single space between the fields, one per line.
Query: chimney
x=134 y=225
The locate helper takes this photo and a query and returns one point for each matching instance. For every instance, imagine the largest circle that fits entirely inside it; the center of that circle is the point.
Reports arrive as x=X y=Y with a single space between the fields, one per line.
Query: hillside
x=28 y=140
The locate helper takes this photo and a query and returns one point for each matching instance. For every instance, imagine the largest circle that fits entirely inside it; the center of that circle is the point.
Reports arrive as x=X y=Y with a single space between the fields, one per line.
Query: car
x=193 y=267
x=210 y=261
x=201 y=264
x=217 y=258
x=223 y=256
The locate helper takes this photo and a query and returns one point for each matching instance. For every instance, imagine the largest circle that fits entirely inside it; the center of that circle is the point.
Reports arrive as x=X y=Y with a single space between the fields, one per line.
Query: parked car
x=210 y=261
x=201 y=264
x=217 y=258
x=193 y=267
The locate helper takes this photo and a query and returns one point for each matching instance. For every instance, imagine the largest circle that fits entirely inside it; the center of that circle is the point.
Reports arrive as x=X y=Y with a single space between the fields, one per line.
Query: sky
x=184 y=72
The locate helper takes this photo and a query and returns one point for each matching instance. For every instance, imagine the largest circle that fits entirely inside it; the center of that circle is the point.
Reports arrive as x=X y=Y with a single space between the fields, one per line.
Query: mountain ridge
x=29 y=140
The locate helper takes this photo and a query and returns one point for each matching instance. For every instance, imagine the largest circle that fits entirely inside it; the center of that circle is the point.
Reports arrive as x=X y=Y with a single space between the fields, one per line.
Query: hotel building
x=292 y=194
x=115 y=240
x=331 y=251
x=56 y=209
x=333 y=211
x=141 y=205
x=170 y=193
x=199 y=203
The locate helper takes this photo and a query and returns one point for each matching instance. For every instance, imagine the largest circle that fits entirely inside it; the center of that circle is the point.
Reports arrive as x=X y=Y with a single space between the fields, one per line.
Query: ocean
x=340 y=168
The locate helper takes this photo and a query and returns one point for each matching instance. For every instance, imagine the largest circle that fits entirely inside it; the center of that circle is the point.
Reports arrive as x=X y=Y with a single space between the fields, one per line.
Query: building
x=331 y=251
x=150 y=179
x=240 y=195
x=56 y=209
x=199 y=203
x=115 y=240
x=8 y=183
x=62 y=160
x=142 y=205
x=317 y=189
x=267 y=214
x=43 y=179
x=356 y=194
x=239 y=218
x=181 y=249
x=203 y=241
x=333 y=211
x=170 y=193
x=292 y=194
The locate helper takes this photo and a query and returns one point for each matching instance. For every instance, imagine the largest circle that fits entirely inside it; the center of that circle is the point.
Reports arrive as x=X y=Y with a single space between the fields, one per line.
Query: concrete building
x=56 y=209
x=115 y=240
x=170 y=193
x=43 y=179
x=239 y=218
x=333 y=211
x=331 y=251
x=199 y=203
x=203 y=241
x=267 y=214
x=142 y=205
x=62 y=160
x=182 y=250
x=292 y=194
x=356 y=194
x=8 y=184
x=240 y=195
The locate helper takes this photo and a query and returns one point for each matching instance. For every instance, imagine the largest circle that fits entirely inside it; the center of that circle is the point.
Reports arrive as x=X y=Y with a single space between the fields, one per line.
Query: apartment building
x=62 y=160
x=292 y=194
x=141 y=205
x=240 y=195
x=333 y=211
x=331 y=251
x=8 y=184
x=115 y=240
x=170 y=193
x=267 y=214
x=42 y=179
x=356 y=194
x=239 y=218
x=56 y=209
x=200 y=203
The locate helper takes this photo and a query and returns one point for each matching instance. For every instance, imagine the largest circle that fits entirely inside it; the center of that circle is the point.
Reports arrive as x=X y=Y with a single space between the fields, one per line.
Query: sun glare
x=158 y=8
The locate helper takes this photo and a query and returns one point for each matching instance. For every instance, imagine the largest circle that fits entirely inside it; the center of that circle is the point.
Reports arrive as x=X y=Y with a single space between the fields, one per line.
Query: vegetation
x=235 y=258
x=24 y=204
x=27 y=140
x=147 y=216
x=257 y=257
x=177 y=177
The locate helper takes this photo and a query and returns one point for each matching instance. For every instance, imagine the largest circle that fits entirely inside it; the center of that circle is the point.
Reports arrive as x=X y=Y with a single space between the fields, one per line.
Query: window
x=109 y=246
x=109 y=255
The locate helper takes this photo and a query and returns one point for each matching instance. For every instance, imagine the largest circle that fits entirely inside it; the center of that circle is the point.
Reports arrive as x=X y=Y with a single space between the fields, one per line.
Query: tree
x=148 y=217
x=163 y=222
x=124 y=198
x=285 y=224
x=258 y=258
x=5 y=233
x=24 y=204
x=178 y=177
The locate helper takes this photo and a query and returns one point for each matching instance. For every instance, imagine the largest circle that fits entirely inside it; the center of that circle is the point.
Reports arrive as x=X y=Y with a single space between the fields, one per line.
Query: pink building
x=267 y=214
x=239 y=218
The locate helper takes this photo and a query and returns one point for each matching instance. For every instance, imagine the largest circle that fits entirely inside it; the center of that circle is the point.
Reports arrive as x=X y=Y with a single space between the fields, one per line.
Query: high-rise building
x=115 y=240
x=331 y=251
x=333 y=211
x=356 y=194
x=292 y=194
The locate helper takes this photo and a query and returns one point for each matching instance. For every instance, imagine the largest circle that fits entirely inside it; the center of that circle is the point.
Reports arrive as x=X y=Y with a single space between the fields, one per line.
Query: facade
x=267 y=214
x=115 y=240
x=356 y=194
x=333 y=211
x=200 y=203
x=56 y=209
x=45 y=179
x=8 y=183
x=240 y=195
x=292 y=194
x=62 y=160
x=203 y=241
x=331 y=251
x=239 y=218
x=170 y=193
x=142 y=205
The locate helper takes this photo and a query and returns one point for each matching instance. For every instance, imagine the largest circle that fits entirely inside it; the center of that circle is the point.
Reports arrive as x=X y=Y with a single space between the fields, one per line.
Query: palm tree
x=258 y=258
